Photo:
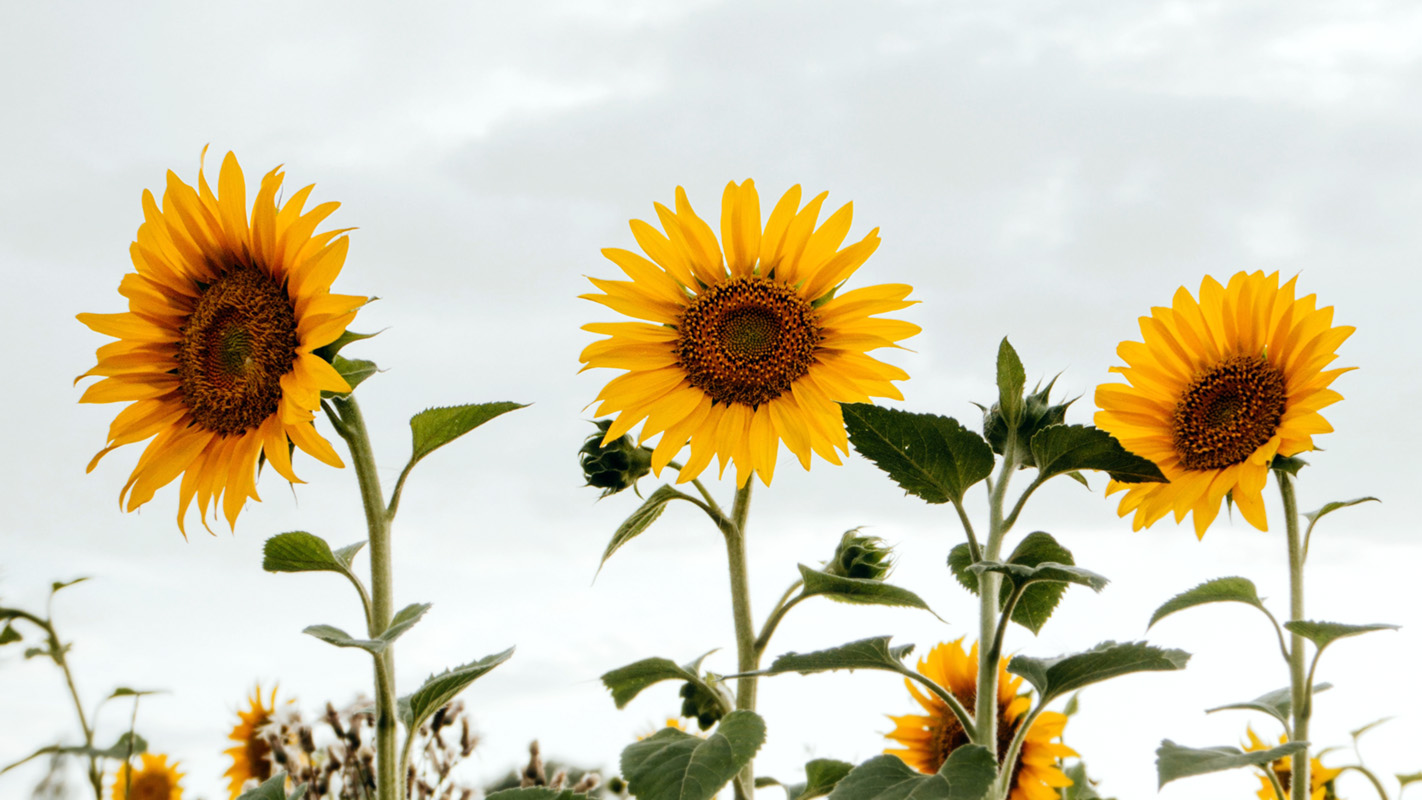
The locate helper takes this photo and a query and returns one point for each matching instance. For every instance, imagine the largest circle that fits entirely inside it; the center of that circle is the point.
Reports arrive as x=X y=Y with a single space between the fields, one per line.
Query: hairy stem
x=989 y=583
x=1299 y=783
x=747 y=658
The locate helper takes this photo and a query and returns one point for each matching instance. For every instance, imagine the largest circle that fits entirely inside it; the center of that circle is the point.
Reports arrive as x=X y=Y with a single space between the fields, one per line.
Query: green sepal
x=1053 y=677
x=354 y=370
x=871 y=653
x=673 y=765
x=439 y=689
x=274 y=788
x=1289 y=464
x=8 y=635
x=1322 y=634
x=1217 y=590
x=641 y=519
x=1062 y=449
x=1278 y=704
x=628 y=681
x=401 y=622
x=1011 y=380
x=821 y=776
x=858 y=591
x=933 y=458
x=1173 y=761
x=967 y=774
x=433 y=428
x=328 y=352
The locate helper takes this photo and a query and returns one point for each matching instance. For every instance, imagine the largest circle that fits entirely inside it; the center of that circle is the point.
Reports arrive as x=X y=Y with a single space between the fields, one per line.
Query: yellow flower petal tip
x=1217 y=387
x=745 y=341
x=215 y=355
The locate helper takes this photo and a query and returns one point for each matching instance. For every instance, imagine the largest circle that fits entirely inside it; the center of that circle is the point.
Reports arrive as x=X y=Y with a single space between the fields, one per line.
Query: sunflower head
x=927 y=739
x=1320 y=778
x=1217 y=389
x=861 y=557
x=157 y=780
x=216 y=353
x=747 y=341
x=251 y=756
x=613 y=466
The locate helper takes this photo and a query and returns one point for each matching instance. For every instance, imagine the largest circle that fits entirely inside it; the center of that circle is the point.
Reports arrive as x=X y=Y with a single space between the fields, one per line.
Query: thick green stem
x=989 y=584
x=1298 y=777
x=747 y=659
x=351 y=427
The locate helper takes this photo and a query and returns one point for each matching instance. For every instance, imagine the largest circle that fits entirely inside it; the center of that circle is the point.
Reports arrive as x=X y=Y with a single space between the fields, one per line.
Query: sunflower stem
x=747 y=657
x=989 y=584
x=56 y=649
x=351 y=427
x=1299 y=783
x=1367 y=773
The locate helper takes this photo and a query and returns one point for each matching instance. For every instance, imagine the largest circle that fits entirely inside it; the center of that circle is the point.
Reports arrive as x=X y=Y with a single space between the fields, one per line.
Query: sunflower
x=157 y=780
x=1320 y=778
x=1216 y=390
x=739 y=354
x=927 y=739
x=251 y=758
x=215 y=353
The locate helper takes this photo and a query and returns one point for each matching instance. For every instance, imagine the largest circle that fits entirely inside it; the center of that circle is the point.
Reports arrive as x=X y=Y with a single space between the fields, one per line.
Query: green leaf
x=404 y=620
x=1357 y=733
x=1045 y=567
x=1059 y=449
x=1314 y=516
x=967 y=774
x=872 y=653
x=1278 y=704
x=119 y=750
x=57 y=585
x=274 y=788
x=330 y=634
x=1411 y=777
x=960 y=559
x=299 y=551
x=1011 y=380
x=328 y=352
x=1289 y=464
x=821 y=776
x=931 y=457
x=1323 y=634
x=354 y=370
x=641 y=519
x=672 y=765
x=1082 y=786
x=1218 y=590
x=860 y=591
x=347 y=554
x=8 y=634
x=1173 y=761
x=627 y=682
x=435 y=427
x=440 y=689
x=534 y=793
x=124 y=691
x=1053 y=677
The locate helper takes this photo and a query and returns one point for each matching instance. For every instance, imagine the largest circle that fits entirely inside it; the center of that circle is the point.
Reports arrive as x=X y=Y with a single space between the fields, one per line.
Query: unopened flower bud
x=701 y=705
x=863 y=557
x=616 y=465
x=1037 y=413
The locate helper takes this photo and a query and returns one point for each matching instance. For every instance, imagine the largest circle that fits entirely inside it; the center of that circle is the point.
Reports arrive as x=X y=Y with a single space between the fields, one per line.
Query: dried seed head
x=533 y=774
x=559 y=778
x=589 y=781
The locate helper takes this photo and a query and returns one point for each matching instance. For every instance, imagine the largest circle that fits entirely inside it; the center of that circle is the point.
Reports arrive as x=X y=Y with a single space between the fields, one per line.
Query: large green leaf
x=872 y=653
x=274 y=788
x=967 y=774
x=1053 y=677
x=1278 y=704
x=860 y=591
x=1059 y=449
x=641 y=519
x=931 y=457
x=435 y=427
x=1173 y=761
x=299 y=551
x=1218 y=590
x=440 y=689
x=627 y=682
x=1323 y=634
x=672 y=765
x=1011 y=380
x=821 y=776
x=1042 y=565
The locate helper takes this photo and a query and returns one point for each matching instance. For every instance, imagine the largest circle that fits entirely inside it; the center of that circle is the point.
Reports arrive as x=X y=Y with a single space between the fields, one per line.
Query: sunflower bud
x=1037 y=413
x=863 y=557
x=616 y=465
x=701 y=705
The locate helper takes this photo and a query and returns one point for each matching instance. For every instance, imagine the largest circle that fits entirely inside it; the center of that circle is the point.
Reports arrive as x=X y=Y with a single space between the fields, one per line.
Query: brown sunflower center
x=746 y=340
x=1228 y=412
x=237 y=344
x=151 y=785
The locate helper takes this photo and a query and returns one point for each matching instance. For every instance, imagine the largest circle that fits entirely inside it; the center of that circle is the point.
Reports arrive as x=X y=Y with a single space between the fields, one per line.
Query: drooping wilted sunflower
x=215 y=353
x=1217 y=388
x=157 y=780
x=928 y=739
x=251 y=758
x=739 y=354
x=1320 y=778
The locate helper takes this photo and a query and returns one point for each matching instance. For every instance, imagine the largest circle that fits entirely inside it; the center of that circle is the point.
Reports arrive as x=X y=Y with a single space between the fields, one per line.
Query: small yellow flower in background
x=1320 y=778
x=1217 y=388
x=928 y=739
x=672 y=722
x=215 y=354
x=740 y=353
x=157 y=780
x=251 y=758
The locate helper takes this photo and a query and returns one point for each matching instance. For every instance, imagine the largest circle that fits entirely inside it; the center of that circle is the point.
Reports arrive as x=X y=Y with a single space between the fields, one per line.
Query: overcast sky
x=1042 y=170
